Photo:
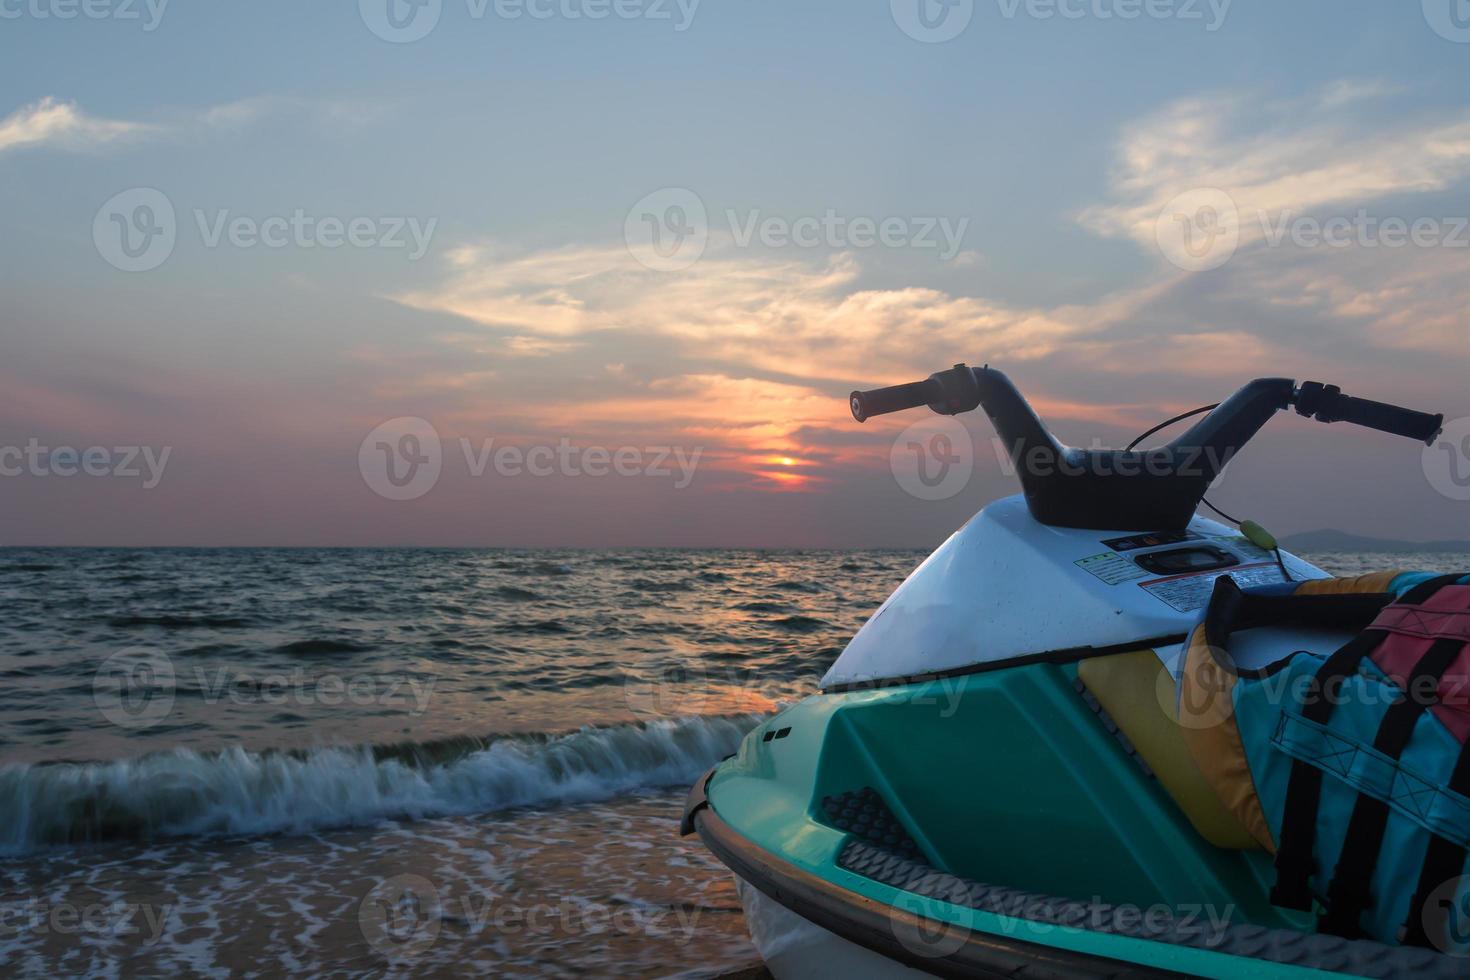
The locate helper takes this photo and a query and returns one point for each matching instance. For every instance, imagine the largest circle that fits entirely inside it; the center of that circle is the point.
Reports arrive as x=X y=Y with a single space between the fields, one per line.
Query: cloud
x=775 y=316
x=749 y=353
x=56 y=123
x=61 y=124
x=250 y=111
x=1257 y=153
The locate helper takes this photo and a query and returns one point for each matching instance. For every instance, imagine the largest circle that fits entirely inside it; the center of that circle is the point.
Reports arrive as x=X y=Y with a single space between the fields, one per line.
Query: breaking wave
x=182 y=793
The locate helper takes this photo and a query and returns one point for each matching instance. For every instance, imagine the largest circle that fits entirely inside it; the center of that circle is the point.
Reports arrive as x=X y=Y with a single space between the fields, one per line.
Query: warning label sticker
x=1188 y=593
x=1112 y=568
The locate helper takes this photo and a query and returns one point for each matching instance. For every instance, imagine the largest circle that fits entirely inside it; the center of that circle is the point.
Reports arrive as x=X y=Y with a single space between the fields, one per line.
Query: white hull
x=795 y=949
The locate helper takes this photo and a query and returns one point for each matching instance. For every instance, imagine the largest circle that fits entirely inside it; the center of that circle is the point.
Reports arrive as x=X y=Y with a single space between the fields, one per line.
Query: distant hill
x=1334 y=541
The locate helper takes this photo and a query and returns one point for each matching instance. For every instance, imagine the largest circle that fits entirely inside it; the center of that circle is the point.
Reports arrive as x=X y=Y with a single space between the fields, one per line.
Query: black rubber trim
x=873 y=925
x=1232 y=608
x=1069 y=655
x=1266 y=947
x=698 y=799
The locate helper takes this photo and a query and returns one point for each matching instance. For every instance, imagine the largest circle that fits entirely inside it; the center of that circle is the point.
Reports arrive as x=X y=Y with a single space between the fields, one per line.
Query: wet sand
x=602 y=889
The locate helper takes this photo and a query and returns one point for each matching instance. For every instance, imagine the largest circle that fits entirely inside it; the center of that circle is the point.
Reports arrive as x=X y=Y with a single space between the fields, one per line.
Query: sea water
x=250 y=761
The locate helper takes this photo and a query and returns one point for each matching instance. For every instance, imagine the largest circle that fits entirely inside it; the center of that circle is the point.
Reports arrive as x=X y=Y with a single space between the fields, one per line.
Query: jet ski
x=1008 y=771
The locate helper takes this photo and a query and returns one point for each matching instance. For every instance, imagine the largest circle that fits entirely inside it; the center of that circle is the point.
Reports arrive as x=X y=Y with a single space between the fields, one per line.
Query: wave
x=183 y=793
x=306 y=648
x=801 y=624
x=180 y=622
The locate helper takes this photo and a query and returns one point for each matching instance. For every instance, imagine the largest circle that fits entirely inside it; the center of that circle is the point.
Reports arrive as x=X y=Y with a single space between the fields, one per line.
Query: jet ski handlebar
x=1151 y=489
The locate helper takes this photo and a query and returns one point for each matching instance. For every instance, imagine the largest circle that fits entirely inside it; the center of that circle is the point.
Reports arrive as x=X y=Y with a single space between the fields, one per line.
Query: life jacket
x=1350 y=765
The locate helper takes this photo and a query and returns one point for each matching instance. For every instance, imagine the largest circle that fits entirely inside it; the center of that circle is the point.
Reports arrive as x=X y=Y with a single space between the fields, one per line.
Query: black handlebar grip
x=881 y=401
x=1327 y=403
x=1390 y=418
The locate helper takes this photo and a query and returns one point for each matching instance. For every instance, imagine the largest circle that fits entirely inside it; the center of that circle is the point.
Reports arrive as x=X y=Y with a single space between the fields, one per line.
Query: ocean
x=397 y=761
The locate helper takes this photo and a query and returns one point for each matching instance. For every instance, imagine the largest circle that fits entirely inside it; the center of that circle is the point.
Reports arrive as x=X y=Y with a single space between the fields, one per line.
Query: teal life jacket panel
x=1350 y=764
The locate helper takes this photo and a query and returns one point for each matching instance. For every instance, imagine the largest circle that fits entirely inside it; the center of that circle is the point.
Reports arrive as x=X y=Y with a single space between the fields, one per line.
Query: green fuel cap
x=1258 y=536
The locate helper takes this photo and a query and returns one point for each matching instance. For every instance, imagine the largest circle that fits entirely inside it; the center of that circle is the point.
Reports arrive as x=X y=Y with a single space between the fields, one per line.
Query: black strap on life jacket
x=1444 y=861
x=1293 y=888
x=1349 y=893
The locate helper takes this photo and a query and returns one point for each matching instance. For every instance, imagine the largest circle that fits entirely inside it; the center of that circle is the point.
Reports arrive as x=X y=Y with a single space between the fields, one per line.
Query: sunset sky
x=1024 y=169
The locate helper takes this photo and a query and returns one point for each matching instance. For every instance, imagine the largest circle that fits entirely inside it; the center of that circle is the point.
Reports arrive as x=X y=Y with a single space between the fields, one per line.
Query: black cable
x=1181 y=418
x=1280 y=562
x=1165 y=425
x=1206 y=502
